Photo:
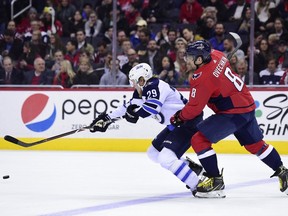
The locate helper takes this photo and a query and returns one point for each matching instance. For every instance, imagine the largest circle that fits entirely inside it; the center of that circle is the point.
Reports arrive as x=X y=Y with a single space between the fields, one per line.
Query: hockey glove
x=100 y=123
x=175 y=120
x=130 y=115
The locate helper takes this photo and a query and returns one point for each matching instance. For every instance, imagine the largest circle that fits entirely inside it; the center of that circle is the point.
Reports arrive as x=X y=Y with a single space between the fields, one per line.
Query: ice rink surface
x=123 y=184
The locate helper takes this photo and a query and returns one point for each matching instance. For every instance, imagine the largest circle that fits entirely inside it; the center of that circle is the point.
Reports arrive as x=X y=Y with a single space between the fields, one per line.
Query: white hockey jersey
x=159 y=101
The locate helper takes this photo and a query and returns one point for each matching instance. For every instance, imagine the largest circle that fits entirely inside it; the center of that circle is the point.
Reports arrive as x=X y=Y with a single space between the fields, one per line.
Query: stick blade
x=237 y=38
x=11 y=139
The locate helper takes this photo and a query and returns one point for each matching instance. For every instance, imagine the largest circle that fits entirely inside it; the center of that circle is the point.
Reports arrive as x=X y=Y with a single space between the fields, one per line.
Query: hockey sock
x=209 y=162
x=183 y=172
x=271 y=158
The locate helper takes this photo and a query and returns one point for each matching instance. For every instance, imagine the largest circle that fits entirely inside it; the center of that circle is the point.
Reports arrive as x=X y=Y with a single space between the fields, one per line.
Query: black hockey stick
x=238 y=40
x=24 y=144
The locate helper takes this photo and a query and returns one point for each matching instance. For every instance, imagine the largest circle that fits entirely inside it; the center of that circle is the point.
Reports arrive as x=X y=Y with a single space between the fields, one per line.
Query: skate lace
x=208 y=183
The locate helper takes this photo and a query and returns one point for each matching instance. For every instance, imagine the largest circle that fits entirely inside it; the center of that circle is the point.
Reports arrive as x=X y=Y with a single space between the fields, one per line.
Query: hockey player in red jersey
x=215 y=84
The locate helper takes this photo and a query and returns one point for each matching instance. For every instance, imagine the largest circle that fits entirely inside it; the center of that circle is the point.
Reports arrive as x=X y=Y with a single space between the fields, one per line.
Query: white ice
x=123 y=184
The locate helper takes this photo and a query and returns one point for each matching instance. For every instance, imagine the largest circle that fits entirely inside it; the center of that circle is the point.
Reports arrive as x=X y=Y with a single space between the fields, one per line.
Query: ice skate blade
x=286 y=191
x=212 y=194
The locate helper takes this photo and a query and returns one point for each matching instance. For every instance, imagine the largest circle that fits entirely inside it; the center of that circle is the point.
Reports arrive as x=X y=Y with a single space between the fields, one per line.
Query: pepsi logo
x=38 y=112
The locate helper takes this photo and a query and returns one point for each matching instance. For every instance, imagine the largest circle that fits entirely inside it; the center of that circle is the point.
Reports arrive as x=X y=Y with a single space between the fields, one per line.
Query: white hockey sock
x=183 y=172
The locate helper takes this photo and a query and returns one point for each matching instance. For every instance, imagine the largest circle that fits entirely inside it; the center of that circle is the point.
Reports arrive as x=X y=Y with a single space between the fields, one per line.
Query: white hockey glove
x=100 y=123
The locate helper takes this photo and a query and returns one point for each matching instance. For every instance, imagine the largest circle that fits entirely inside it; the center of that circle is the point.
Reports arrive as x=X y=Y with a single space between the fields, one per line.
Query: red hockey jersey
x=218 y=87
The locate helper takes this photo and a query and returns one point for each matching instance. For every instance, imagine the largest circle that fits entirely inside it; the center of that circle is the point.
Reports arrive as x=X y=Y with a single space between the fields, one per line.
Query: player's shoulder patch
x=196 y=76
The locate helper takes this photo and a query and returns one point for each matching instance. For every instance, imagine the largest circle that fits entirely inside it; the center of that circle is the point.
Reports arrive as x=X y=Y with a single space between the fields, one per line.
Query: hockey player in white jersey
x=156 y=99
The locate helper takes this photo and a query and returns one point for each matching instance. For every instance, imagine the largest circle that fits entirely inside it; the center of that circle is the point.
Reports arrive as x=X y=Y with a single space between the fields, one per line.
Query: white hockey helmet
x=141 y=70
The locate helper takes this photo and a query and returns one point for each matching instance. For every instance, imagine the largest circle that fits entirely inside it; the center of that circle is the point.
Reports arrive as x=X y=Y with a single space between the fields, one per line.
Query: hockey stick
x=24 y=144
x=238 y=40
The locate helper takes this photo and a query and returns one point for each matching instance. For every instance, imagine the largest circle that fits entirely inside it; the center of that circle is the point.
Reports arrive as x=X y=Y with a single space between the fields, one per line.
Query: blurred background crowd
x=69 y=42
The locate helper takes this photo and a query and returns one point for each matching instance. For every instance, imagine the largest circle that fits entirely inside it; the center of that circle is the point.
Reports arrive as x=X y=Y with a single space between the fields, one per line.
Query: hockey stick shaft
x=23 y=144
x=238 y=40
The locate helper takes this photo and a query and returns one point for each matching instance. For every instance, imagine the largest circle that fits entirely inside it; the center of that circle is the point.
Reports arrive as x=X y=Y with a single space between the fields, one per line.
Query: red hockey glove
x=175 y=120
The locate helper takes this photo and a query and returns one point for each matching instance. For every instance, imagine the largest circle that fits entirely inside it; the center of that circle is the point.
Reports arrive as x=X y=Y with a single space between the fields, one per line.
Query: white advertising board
x=40 y=113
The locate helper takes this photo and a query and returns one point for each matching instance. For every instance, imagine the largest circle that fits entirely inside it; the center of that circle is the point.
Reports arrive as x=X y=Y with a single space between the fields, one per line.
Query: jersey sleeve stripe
x=149 y=109
x=155 y=102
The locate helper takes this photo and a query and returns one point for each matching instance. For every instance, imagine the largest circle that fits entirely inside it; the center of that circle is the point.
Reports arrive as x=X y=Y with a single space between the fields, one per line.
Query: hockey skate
x=197 y=168
x=282 y=173
x=211 y=187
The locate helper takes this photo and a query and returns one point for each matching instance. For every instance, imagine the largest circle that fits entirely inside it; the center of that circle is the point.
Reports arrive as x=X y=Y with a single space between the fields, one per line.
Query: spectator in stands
x=217 y=41
x=85 y=54
x=10 y=46
x=144 y=37
x=102 y=50
x=279 y=29
x=180 y=65
x=169 y=47
x=66 y=75
x=72 y=53
x=190 y=12
x=237 y=10
x=27 y=57
x=209 y=11
x=242 y=70
x=233 y=62
x=261 y=56
x=273 y=40
x=75 y=23
x=9 y=75
x=132 y=58
x=93 y=27
x=114 y=78
x=271 y=75
x=65 y=12
x=25 y=23
x=37 y=45
x=206 y=27
x=229 y=47
x=81 y=41
x=85 y=74
x=281 y=55
x=11 y=25
x=57 y=60
x=121 y=36
x=87 y=9
x=132 y=14
x=123 y=57
x=264 y=12
x=39 y=76
x=220 y=7
x=167 y=71
x=189 y=36
x=134 y=37
x=54 y=45
x=244 y=26
x=108 y=36
x=35 y=26
x=153 y=56
x=161 y=36
x=50 y=23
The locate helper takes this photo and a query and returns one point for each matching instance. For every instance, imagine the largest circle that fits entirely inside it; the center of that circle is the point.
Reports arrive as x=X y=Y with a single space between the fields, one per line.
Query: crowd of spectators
x=69 y=42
